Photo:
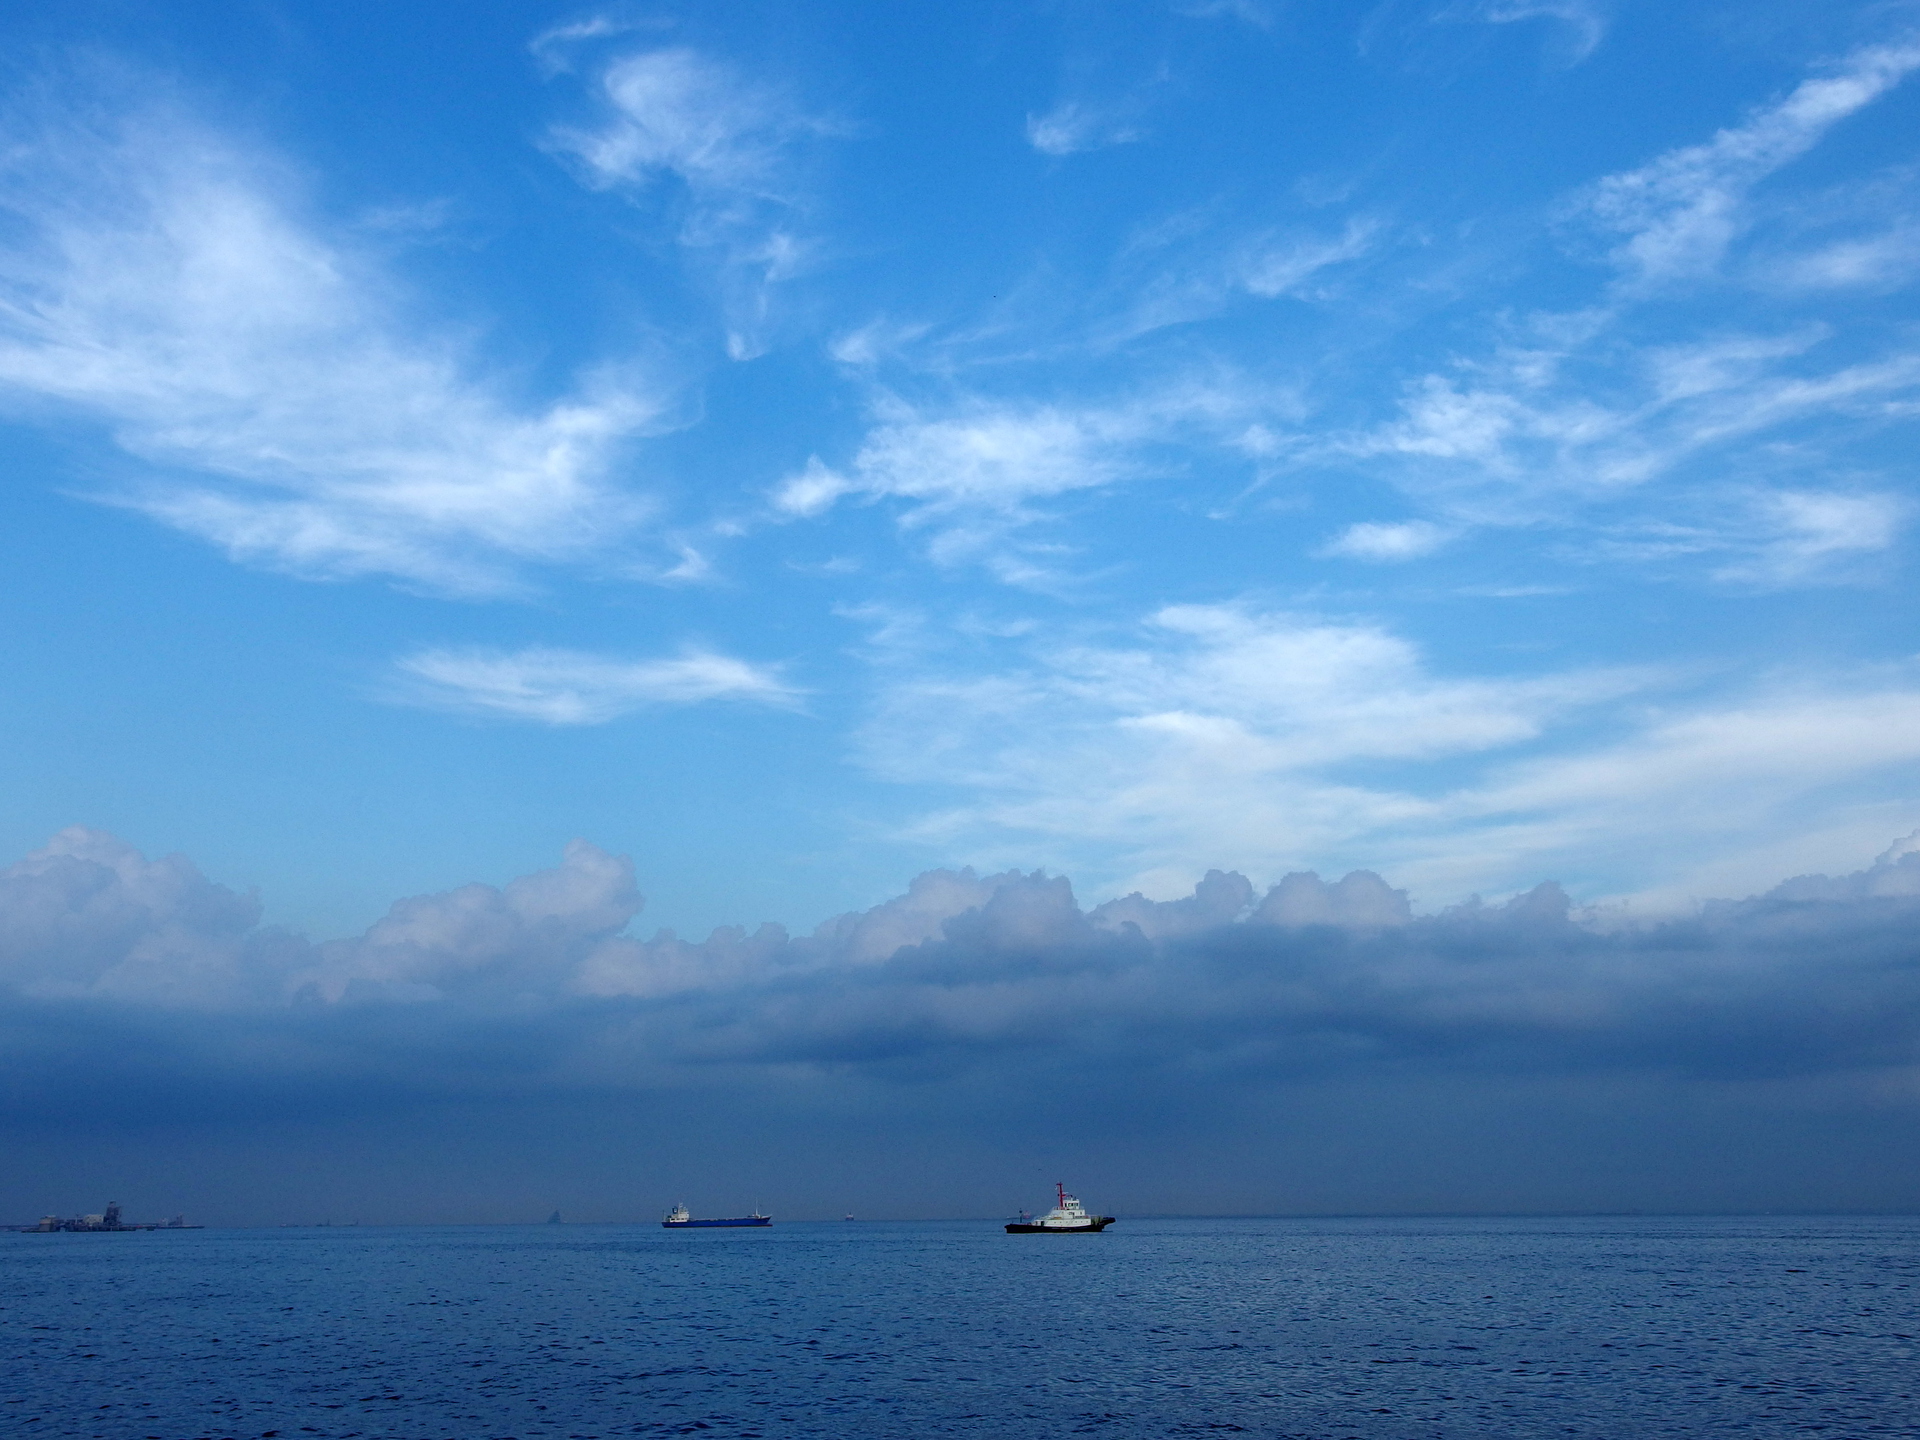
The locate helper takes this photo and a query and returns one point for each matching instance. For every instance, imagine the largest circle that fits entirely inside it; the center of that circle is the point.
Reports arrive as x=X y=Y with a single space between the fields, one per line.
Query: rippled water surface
x=1315 y=1328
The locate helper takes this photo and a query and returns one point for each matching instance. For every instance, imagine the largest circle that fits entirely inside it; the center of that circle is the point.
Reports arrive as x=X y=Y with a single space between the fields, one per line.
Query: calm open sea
x=1319 y=1328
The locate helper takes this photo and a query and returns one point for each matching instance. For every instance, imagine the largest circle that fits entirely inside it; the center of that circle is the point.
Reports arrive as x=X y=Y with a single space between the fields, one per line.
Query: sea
x=1324 y=1329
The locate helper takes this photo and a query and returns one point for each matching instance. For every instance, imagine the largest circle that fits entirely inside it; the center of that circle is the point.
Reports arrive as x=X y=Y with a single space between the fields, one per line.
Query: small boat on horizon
x=1069 y=1217
x=681 y=1218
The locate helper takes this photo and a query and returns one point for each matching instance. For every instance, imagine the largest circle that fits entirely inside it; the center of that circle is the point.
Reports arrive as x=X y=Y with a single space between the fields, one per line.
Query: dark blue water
x=1314 y=1328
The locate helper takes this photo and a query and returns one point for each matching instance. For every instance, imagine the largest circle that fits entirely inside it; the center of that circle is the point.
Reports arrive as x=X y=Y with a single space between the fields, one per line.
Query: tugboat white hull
x=1070 y=1217
x=1093 y=1226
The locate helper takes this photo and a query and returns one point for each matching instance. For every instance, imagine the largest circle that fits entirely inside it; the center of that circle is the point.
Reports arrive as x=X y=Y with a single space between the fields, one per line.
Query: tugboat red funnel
x=1069 y=1217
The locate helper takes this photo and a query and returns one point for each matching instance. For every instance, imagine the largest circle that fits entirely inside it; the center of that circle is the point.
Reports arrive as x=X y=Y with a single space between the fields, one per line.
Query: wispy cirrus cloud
x=723 y=151
x=1217 y=725
x=971 y=476
x=990 y=457
x=158 y=280
x=1773 y=539
x=572 y=687
x=1861 y=236
x=675 y=112
x=1803 y=534
x=1679 y=214
x=1582 y=23
x=1266 y=740
x=1528 y=439
x=1519 y=427
x=1074 y=126
x=1247 y=12
x=1387 y=540
x=555 y=47
x=1281 y=265
x=1429 y=33
x=1885 y=260
x=1180 y=271
x=1630 y=402
x=976 y=473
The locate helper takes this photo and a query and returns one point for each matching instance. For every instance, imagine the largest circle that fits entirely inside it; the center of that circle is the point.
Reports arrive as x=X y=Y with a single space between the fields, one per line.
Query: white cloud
x=970 y=475
x=89 y=914
x=1809 y=534
x=1521 y=438
x=1681 y=212
x=1507 y=432
x=1272 y=742
x=569 y=687
x=812 y=492
x=1885 y=260
x=1583 y=23
x=1774 y=538
x=1177 y=272
x=155 y=280
x=551 y=47
x=1591 y=407
x=1714 y=788
x=989 y=457
x=1248 y=12
x=1374 y=540
x=675 y=114
x=1221 y=730
x=873 y=342
x=1072 y=127
x=518 y=938
x=1282 y=268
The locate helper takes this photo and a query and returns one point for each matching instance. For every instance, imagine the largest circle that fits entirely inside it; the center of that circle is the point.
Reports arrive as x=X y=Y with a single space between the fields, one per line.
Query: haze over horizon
x=1361 y=553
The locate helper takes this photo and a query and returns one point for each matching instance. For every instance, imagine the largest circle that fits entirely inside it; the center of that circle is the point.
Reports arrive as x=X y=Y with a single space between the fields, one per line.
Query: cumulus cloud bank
x=537 y=986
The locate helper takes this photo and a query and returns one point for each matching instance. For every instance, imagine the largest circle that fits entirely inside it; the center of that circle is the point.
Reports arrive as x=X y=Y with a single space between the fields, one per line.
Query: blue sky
x=798 y=447
x=806 y=444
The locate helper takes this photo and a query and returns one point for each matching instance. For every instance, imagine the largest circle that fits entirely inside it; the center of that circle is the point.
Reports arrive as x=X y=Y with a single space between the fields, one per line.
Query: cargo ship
x=1069 y=1217
x=680 y=1218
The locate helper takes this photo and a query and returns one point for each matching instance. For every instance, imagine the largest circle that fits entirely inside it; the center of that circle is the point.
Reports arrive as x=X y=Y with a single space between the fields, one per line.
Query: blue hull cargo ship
x=680 y=1218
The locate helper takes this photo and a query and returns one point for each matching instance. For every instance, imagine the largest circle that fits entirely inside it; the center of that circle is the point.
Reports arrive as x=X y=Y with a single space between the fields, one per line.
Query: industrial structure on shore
x=108 y=1219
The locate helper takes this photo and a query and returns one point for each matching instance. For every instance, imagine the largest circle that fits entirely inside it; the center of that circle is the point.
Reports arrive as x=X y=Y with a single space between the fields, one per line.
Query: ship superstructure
x=681 y=1218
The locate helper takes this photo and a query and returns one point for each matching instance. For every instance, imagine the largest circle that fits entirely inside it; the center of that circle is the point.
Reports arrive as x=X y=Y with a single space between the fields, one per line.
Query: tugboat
x=1069 y=1217
x=681 y=1218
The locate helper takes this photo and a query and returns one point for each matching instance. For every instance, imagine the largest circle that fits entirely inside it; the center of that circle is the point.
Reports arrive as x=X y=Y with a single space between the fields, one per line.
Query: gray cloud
x=536 y=986
x=494 y=1051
